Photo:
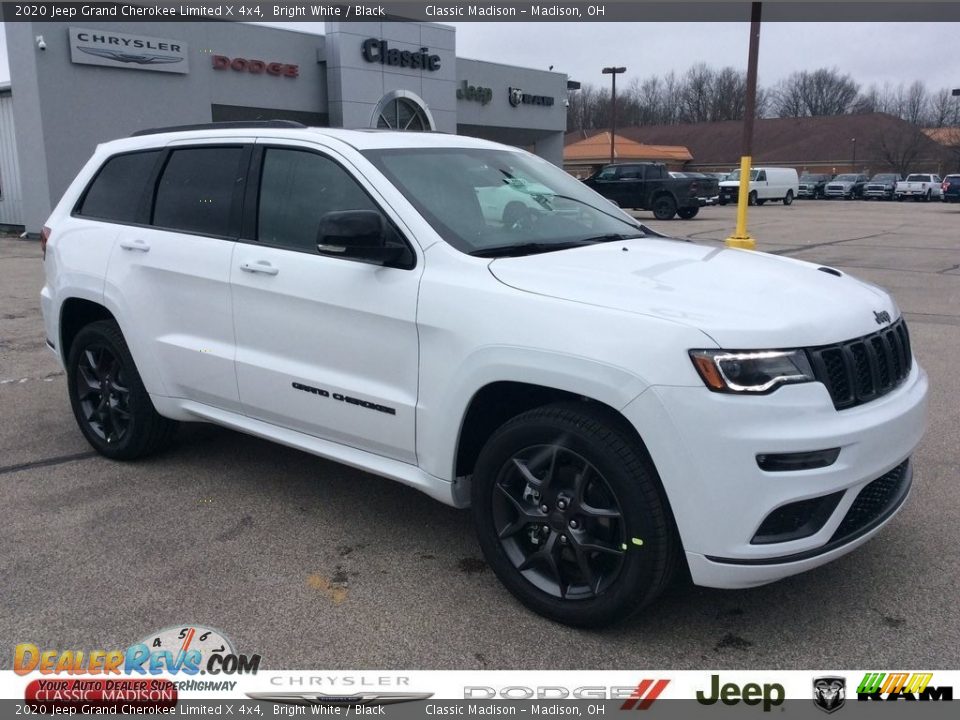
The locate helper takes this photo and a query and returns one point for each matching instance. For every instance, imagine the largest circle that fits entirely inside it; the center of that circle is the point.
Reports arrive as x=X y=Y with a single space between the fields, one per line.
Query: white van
x=766 y=183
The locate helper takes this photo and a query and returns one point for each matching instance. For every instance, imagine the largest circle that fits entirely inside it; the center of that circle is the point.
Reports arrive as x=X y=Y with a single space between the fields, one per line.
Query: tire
x=899 y=198
x=788 y=198
x=124 y=425
x=722 y=201
x=752 y=198
x=759 y=202
x=688 y=213
x=926 y=198
x=664 y=207
x=539 y=460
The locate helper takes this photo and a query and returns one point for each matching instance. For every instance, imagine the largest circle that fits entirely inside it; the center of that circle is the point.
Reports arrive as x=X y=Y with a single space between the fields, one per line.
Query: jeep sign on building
x=117 y=78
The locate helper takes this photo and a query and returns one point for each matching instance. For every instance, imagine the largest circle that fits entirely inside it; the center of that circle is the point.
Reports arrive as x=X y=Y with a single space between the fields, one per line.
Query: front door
x=325 y=345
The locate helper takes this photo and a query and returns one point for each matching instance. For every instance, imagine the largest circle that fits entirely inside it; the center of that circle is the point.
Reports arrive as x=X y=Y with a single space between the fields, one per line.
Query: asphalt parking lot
x=318 y=566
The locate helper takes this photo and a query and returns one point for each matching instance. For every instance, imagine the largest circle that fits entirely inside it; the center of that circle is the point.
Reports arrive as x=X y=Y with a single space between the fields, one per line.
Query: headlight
x=751 y=372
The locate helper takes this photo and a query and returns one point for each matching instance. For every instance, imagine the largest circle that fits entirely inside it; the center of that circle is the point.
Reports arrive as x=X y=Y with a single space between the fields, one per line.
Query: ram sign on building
x=77 y=84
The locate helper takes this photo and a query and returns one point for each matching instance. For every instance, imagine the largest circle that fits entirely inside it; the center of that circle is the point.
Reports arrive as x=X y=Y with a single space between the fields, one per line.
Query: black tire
x=788 y=198
x=123 y=424
x=688 y=213
x=722 y=201
x=760 y=202
x=899 y=198
x=926 y=198
x=664 y=207
x=555 y=441
x=752 y=198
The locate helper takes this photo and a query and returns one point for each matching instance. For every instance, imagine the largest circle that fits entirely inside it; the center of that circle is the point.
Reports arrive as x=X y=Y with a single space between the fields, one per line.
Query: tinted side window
x=196 y=190
x=296 y=189
x=118 y=187
x=629 y=172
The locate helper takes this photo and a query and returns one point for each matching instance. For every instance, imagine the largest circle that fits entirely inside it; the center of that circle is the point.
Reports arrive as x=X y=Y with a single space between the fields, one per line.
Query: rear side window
x=296 y=189
x=117 y=190
x=196 y=190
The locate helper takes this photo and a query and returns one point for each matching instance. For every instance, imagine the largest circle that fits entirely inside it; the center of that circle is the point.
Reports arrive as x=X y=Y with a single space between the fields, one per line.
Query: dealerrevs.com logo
x=187 y=650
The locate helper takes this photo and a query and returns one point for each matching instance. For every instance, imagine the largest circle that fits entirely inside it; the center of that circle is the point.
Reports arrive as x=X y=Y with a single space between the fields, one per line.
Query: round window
x=403 y=114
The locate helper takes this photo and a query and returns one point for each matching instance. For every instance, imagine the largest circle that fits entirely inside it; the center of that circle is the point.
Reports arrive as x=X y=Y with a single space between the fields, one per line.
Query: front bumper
x=705 y=447
x=837 y=192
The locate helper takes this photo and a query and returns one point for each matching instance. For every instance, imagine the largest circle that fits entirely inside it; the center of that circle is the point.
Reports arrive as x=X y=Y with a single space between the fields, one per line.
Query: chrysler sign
x=132 y=52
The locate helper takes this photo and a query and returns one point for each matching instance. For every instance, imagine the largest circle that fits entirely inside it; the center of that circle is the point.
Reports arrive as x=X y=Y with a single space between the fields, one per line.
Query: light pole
x=853 y=164
x=741 y=238
x=613 y=72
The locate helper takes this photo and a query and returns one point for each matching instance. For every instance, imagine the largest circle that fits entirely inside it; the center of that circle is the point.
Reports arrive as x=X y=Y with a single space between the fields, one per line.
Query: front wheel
x=570 y=515
x=664 y=207
x=788 y=198
x=109 y=401
x=688 y=213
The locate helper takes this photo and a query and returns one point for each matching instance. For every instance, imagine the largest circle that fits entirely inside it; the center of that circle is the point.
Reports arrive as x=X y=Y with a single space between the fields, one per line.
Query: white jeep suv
x=613 y=404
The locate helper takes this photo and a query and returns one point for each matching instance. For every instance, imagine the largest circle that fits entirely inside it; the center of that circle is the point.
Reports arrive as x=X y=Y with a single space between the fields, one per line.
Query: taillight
x=44 y=236
x=944 y=186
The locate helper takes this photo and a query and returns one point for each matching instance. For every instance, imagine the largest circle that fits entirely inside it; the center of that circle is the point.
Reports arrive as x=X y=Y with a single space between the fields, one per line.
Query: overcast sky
x=870 y=52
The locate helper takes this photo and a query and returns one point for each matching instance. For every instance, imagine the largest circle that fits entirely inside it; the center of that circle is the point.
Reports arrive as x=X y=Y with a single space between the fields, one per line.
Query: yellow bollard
x=741 y=238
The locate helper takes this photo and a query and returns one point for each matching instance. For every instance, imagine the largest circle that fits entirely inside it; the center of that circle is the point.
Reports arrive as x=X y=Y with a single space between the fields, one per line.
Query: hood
x=741 y=299
x=844 y=183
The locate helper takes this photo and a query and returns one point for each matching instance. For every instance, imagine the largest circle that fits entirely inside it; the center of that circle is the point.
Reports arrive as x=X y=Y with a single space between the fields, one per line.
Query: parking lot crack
x=47 y=462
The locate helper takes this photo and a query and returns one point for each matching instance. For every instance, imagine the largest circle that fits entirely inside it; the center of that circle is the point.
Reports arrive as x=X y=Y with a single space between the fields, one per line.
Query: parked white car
x=920 y=186
x=766 y=183
x=612 y=404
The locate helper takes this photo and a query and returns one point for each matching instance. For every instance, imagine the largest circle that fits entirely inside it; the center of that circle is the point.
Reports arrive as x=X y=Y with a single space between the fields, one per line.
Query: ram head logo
x=516 y=96
x=829 y=693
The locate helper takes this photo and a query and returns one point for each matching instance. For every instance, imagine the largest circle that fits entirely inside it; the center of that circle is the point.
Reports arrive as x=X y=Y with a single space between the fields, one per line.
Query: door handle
x=135 y=245
x=262 y=267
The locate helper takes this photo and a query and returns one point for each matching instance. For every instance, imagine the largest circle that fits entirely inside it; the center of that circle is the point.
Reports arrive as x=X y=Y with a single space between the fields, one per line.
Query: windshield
x=884 y=178
x=480 y=199
x=735 y=175
x=846 y=178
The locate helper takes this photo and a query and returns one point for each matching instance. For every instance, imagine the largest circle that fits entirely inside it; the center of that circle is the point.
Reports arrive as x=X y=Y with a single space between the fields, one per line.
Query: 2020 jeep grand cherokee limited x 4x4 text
x=469 y=320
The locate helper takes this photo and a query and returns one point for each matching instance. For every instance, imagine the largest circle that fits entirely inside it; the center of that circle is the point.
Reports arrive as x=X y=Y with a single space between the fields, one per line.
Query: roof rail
x=229 y=125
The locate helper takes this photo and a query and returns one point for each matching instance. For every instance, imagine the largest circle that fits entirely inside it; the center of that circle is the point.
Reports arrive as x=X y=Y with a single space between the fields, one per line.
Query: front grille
x=866 y=368
x=874 y=502
x=876 y=187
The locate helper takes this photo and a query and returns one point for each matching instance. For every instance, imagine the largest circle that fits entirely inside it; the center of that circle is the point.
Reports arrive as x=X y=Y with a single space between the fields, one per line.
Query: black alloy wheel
x=664 y=207
x=110 y=403
x=571 y=516
x=103 y=393
x=559 y=522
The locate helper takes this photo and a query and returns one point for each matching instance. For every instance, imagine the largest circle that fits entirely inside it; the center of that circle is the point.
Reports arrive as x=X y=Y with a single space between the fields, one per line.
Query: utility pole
x=613 y=72
x=741 y=238
x=853 y=165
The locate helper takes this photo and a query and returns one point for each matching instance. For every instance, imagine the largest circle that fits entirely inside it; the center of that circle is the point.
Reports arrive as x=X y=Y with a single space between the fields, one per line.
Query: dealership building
x=76 y=84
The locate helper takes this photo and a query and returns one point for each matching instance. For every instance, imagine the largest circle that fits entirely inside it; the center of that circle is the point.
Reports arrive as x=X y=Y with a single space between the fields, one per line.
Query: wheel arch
x=75 y=314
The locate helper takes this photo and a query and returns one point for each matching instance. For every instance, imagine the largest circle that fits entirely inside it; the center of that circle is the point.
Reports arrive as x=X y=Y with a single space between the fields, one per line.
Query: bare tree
x=820 y=92
x=899 y=149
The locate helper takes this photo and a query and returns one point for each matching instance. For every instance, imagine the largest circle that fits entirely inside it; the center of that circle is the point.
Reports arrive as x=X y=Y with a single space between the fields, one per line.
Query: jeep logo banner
x=130 y=52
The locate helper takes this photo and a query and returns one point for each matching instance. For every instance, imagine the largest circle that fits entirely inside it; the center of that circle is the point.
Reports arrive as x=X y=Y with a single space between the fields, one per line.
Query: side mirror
x=363 y=235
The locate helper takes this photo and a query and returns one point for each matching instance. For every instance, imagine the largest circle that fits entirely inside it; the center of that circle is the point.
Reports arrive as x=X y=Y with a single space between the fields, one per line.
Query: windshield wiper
x=612 y=237
x=530 y=248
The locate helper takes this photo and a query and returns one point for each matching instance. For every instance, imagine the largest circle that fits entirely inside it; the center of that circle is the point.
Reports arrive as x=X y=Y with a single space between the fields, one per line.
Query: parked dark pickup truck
x=648 y=186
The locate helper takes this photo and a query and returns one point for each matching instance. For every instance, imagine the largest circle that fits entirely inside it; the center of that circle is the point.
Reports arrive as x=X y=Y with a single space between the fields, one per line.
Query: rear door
x=326 y=345
x=170 y=272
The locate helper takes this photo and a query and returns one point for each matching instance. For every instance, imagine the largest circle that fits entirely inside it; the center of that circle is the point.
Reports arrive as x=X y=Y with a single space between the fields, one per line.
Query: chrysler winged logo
x=125 y=57
x=881 y=317
x=366 y=698
x=829 y=693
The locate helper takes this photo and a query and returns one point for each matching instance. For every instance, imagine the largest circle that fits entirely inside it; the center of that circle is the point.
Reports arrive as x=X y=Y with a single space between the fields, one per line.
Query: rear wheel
x=688 y=213
x=109 y=401
x=571 y=517
x=752 y=198
x=926 y=198
x=664 y=207
x=788 y=198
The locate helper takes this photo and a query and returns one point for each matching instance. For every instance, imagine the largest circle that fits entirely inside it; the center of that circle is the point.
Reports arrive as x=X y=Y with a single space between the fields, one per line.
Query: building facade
x=77 y=84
